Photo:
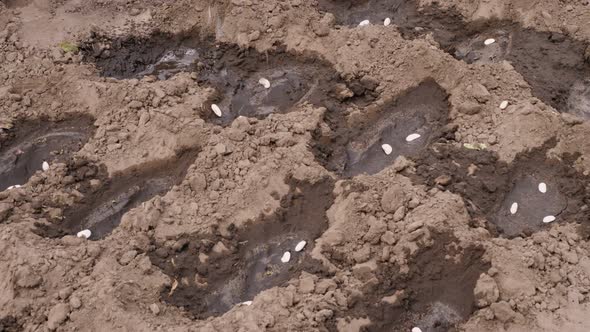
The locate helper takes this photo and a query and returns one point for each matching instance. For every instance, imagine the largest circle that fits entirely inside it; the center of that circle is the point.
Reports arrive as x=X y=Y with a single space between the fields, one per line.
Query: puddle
x=101 y=210
x=553 y=64
x=214 y=274
x=489 y=187
x=30 y=143
x=233 y=72
x=357 y=149
x=437 y=291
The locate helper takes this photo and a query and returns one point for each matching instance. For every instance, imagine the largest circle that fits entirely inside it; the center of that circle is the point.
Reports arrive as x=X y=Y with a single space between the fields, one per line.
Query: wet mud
x=102 y=208
x=234 y=73
x=26 y=146
x=214 y=273
x=553 y=64
x=489 y=187
x=355 y=149
x=436 y=294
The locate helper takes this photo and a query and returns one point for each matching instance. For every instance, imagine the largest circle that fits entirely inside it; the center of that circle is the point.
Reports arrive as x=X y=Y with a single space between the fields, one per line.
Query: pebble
x=548 y=219
x=387 y=21
x=45 y=166
x=85 y=233
x=489 y=41
x=300 y=246
x=412 y=137
x=363 y=23
x=514 y=208
x=265 y=83
x=416 y=329
x=387 y=149
x=504 y=104
x=216 y=110
x=286 y=257
x=542 y=187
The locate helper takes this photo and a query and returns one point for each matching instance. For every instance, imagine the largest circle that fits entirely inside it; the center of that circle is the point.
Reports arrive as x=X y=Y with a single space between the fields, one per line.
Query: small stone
x=155 y=309
x=387 y=149
x=503 y=105
x=514 y=208
x=548 y=219
x=363 y=23
x=543 y=187
x=412 y=137
x=264 y=82
x=387 y=22
x=300 y=246
x=85 y=233
x=45 y=166
x=216 y=110
x=489 y=41
x=286 y=257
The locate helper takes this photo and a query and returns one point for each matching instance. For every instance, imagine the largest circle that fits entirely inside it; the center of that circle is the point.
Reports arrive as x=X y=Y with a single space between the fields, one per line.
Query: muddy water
x=553 y=64
x=101 y=210
x=30 y=143
x=437 y=291
x=212 y=274
x=233 y=72
x=357 y=149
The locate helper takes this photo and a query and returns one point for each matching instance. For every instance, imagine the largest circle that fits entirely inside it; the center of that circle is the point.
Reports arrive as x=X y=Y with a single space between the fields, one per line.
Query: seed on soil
x=216 y=110
x=489 y=41
x=363 y=23
x=542 y=187
x=514 y=208
x=85 y=233
x=300 y=246
x=387 y=21
x=14 y=187
x=246 y=303
x=416 y=329
x=504 y=104
x=387 y=149
x=45 y=166
x=286 y=257
x=548 y=219
x=412 y=137
x=265 y=83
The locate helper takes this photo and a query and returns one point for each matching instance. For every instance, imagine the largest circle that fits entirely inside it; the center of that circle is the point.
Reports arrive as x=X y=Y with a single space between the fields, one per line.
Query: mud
x=213 y=274
x=553 y=64
x=233 y=72
x=30 y=143
x=489 y=186
x=356 y=149
x=102 y=208
x=435 y=295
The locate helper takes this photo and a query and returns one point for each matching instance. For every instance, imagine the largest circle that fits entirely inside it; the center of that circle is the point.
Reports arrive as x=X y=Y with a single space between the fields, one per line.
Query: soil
x=10 y=324
x=30 y=143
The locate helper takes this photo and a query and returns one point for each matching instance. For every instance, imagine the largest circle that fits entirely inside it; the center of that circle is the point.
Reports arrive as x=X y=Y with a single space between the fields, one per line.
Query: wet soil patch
x=489 y=187
x=10 y=324
x=233 y=72
x=213 y=273
x=25 y=147
x=102 y=208
x=357 y=148
x=435 y=295
x=554 y=64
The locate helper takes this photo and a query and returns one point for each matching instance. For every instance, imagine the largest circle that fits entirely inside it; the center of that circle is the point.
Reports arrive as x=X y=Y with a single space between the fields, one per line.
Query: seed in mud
x=489 y=41
x=416 y=329
x=387 y=149
x=45 y=166
x=247 y=303
x=548 y=219
x=363 y=23
x=14 y=187
x=300 y=246
x=286 y=257
x=85 y=233
x=412 y=137
x=514 y=208
x=503 y=105
x=216 y=110
x=542 y=187
x=264 y=82
x=387 y=21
